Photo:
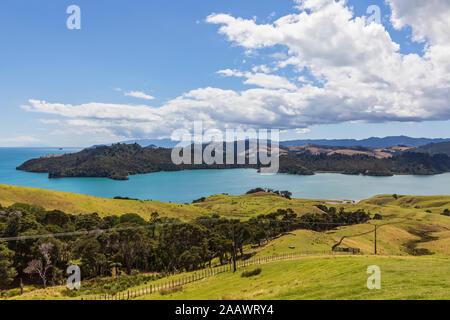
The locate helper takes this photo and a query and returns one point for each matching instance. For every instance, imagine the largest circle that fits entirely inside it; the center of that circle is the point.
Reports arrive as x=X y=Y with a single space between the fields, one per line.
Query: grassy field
x=326 y=278
x=244 y=206
x=321 y=278
x=406 y=219
x=80 y=204
x=410 y=225
x=230 y=206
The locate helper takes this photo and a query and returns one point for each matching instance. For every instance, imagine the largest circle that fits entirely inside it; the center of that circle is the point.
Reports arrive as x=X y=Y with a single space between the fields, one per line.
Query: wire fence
x=170 y=286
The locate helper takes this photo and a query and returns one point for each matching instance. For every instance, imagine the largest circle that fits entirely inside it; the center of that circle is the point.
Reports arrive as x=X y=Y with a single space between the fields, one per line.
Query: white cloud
x=302 y=131
x=429 y=19
x=19 y=141
x=262 y=68
x=139 y=94
x=94 y=110
x=260 y=79
x=363 y=75
x=49 y=121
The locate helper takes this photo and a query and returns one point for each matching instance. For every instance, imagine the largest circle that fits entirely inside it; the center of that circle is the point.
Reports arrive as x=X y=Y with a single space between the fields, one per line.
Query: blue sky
x=161 y=48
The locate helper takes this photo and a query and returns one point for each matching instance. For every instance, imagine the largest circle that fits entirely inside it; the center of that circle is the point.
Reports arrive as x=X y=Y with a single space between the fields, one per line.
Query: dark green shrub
x=251 y=273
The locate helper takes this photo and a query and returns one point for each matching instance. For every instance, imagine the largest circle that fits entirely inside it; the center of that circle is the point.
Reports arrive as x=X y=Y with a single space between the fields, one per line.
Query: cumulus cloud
x=429 y=20
x=139 y=94
x=263 y=80
x=356 y=72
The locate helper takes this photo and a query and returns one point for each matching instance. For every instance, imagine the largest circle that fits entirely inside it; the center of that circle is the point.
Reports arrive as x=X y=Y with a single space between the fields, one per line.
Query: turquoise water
x=186 y=186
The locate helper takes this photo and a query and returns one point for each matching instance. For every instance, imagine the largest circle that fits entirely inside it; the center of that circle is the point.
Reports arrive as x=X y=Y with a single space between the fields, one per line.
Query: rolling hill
x=230 y=206
x=121 y=160
x=373 y=142
x=434 y=148
x=413 y=235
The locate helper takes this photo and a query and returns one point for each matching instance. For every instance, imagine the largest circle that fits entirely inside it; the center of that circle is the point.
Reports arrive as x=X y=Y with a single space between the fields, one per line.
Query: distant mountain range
x=370 y=142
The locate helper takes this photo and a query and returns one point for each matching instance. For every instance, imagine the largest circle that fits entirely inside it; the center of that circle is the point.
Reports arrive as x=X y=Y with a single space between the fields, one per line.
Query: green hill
x=326 y=278
x=120 y=160
x=413 y=238
x=230 y=206
x=435 y=148
x=318 y=278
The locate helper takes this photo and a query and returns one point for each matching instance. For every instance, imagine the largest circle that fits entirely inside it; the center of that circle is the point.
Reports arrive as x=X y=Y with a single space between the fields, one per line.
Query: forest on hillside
x=37 y=246
x=121 y=160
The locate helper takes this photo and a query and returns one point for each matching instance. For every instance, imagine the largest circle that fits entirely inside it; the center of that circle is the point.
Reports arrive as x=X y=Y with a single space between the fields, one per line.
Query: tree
x=93 y=261
x=191 y=259
x=132 y=218
x=40 y=266
x=7 y=272
x=153 y=219
x=132 y=247
x=286 y=194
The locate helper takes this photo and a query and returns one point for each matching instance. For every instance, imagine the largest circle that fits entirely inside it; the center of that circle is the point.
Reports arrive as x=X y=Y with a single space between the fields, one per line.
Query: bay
x=186 y=186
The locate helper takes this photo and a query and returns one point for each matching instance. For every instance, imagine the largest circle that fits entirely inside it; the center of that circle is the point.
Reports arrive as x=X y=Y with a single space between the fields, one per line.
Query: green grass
x=307 y=278
x=229 y=206
x=81 y=204
x=405 y=218
x=326 y=278
x=251 y=205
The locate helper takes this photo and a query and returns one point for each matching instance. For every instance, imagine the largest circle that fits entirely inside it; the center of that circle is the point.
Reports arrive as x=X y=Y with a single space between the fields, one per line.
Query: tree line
x=127 y=244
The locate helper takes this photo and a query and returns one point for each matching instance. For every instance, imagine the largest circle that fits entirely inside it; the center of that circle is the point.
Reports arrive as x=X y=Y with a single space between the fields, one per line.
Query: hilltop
x=230 y=206
x=435 y=148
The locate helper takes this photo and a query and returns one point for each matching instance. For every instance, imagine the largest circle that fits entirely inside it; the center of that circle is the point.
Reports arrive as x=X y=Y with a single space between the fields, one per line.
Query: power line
x=101 y=231
x=368 y=232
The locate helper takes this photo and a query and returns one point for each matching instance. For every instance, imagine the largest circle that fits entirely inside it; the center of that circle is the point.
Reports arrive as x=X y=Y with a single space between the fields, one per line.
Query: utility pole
x=375 y=239
x=234 y=247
